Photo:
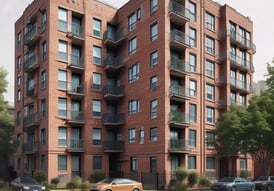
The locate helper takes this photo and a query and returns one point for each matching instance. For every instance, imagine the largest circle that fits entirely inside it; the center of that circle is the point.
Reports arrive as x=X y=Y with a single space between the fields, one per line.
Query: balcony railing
x=179 y=145
x=114 y=63
x=77 y=30
x=76 y=62
x=32 y=90
x=179 y=66
x=179 y=39
x=76 y=116
x=75 y=88
x=114 y=92
x=179 y=118
x=114 y=38
x=30 y=148
x=30 y=63
x=179 y=13
x=242 y=41
x=240 y=62
x=114 y=146
x=179 y=92
x=31 y=121
x=32 y=34
x=241 y=85
x=114 y=119
x=75 y=145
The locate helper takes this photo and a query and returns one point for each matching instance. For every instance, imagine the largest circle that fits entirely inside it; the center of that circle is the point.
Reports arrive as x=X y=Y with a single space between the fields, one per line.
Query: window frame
x=153 y=6
x=209 y=21
x=192 y=137
x=133 y=73
x=153 y=134
x=97 y=27
x=154 y=59
x=154 y=32
x=131 y=135
x=97 y=137
x=96 y=108
x=210 y=114
x=97 y=55
x=132 y=46
x=153 y=108
x=133 y=106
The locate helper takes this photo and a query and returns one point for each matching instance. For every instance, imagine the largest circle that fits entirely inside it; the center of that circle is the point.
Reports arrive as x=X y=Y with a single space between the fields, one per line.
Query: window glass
x=192 y=36
x=133 y=106
x=153 y=108
x=210 y=118
x=132 y=46
x=192 y=113
x=97 y=81
x=131 y=135
x=209 y=45
x=62 y=107
x=153 y=32
x=96 y=108
x=97 y=55
x=133 y=73
x=62 y=136
x=97 y=162
x=97 y=27
x=154 y=134
x=210 y=92
x=209 y=68
x=192 y=138
x=63 y=50
x=210 y=163
x=192 y=62
x=153 y=5
x=97 y=137
x=153 y=59
x=153 y=82
x=209 y=21
x=191 y=162
x=132 y=19
x=62 y=79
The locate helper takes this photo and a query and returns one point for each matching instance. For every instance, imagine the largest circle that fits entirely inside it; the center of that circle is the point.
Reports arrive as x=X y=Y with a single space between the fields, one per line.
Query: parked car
x=264 y=183
x=233 y=184
x=117 y=184
x=26 y=184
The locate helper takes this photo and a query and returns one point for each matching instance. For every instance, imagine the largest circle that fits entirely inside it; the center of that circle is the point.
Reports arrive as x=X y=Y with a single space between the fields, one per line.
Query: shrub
x=40 y=176
x=75 y=182
x=192 y=178
x=55 y=181
x=244 y=174
x=96 y=177
x=85 y=185
x=180 y=188
x=204 y=181
x=181 y=174
x=2 y=183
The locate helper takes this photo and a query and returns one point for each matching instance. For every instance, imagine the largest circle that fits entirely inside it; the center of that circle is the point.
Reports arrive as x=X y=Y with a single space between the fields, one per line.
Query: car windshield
x=27 y=180
x=227 y=179
x=261 y=178
x=107 y=180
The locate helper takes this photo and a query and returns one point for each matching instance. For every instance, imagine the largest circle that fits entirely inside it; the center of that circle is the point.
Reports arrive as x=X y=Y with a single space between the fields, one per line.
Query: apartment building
x=134 y=90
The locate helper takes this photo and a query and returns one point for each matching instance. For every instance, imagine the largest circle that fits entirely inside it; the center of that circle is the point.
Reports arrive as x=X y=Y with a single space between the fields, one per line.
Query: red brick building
x=135 y=89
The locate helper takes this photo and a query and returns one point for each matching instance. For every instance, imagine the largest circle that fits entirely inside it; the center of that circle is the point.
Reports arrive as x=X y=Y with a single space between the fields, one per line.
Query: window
x=133 y=164
x=62 y=136
x=132 y=22
x=209 y=21
x=44 y=20
x=242 y=99
x=233 y=77
x=192 y=10
x=97 y=81
x=18 y=95
x=62 y=19
x=62 y=79
x=153 y=82
x=192 y=113
x=133 y=106
x=19 y=64
x=153 y=164
x=209 y=45
x=154 y=32
x=142 y=136
x=139 y=13
x=97 y=162
x=209 y=68
x=19 y=38
x=62 y=162
x=192 y=36
x=153 y=108
x=97 y=55
x=192 y=62
x=18 y=164
x=153 y=6
x=210 y=92
x=18 y=140
x=233 y=97
x=133 y=73
x=97 y=137
x=19 y=81
x=243 y=163
x=96 y=108
x=18 y=118
x=43 y=79
x=131 y=135
x=153 y=59
x=192 y=138
x=210 y=163
x=191 y=162
x=210 y=140
x=232 y=29
x=43 y=136
x=63 y=50
x=154 y=134
x=210 y=118
x=44 y=50
x=62 y=107
x=193 y=88
x=43 y=109
x=132 y=45
x=97 y=27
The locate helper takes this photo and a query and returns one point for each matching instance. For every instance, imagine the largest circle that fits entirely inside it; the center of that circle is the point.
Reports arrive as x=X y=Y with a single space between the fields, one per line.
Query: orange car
x=117 y=184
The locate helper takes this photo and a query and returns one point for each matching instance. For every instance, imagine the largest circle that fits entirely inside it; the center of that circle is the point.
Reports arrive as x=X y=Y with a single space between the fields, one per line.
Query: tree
x=6 y=123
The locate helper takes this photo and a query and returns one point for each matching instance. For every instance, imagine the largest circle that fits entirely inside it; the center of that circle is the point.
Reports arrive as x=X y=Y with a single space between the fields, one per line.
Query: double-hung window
x=62 y=136
x=153 y=82
x=210 y=140
x=191 y=162
x=62 y=19
x=193 y=88
x=192 y=62
x=62 y=107
x=133 y=106
x=133 y=73
x=153 y=6
x=96 y=108
x=153 y=108
x=192 y=37
x=132 y=46
x=97 y=27
x=62 y=162
x=210 y=163
x=192 y=138
x=131 y=135
x=97 y=137
x=210 y=115
x=63 y=50
x=192 y=113
x=210 y=92
x=209 y=21
x=97 y=55
x=209 y=45
x=132 y=20
x=209 y=67
x=153 y=59
x=153 y=32
x=62 y=79
x=153 y=134
x=97 y=81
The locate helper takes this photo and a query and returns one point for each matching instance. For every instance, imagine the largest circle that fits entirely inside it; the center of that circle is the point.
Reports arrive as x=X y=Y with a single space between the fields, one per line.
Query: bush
x=55 y=181
x=203 y=181
x=75 y=182
x=192 y=178
x=180 y=188
x=2 y=184
x=85 y=185
x=96 y=177
x=244 y=174
x=181 y=174
x=40 y=176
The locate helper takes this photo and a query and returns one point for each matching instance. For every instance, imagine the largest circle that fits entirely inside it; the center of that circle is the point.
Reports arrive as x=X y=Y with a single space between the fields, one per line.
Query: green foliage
x=181 y=174
x=40 y=176
x=243 y=174
x=204 y=181
x=76 y=182
x=180 y=188
x=55 y=181
x=96 y=177
x=85 y=185
x=192 y=178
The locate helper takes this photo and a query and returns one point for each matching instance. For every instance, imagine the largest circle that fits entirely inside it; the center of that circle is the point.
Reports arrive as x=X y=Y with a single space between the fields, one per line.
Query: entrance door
x=75 y=165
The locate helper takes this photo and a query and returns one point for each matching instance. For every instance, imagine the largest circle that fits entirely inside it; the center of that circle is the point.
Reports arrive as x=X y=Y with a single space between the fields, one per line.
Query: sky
x=260 y=11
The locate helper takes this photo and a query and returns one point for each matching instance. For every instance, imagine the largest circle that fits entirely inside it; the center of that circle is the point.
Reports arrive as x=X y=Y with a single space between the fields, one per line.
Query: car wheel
x=135 y=189
x=233 y=188
x=268 y=188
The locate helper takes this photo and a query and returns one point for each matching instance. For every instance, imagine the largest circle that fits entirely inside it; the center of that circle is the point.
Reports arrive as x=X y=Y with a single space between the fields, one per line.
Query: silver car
x=26 y=184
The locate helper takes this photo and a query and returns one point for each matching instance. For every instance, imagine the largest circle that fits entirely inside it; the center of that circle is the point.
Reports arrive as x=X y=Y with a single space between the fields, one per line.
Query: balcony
x=31 y=121
x=75 y=90
x=30 y=148
x=32 y=91
x=32 y=34
x=179 y=93
x=178 y=67
x=242 y=41
x=76 y=33
x=179 y=146
x=111 y=119
x=114 y=146
x=114 y=63
x=179 y=119
x=113 y=93
x=241 y=63
x=76 y=117
x=114 y=38
x=240 y=85
x=30 y=62
x=76 y=62
x=178 y=13
x=179 y=40
x=75 y=145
